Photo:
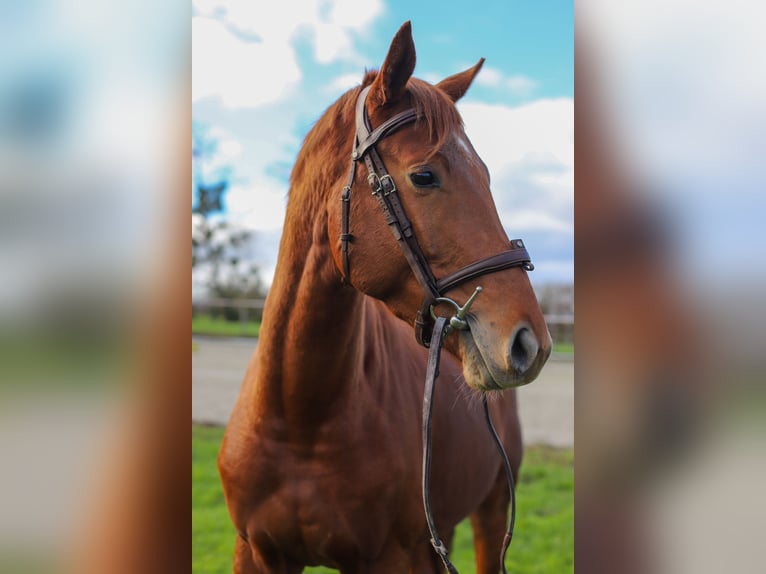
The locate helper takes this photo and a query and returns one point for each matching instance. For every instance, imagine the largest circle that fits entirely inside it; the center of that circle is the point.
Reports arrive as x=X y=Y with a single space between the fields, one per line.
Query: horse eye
x=424 y=179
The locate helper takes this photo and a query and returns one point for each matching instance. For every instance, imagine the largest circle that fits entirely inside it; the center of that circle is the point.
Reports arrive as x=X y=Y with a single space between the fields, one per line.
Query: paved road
x=218 y=365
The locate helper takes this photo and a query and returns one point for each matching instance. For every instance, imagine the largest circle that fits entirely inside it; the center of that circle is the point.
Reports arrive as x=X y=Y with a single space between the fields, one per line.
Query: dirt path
x=218 y=365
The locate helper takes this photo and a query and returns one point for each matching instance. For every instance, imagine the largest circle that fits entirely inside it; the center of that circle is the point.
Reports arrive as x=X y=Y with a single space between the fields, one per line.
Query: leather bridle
x=385 y=191
x=430 y=329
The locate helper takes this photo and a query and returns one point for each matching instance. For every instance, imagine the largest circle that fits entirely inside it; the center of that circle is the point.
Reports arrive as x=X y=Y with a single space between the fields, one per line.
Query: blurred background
x=95 y=120
x=94 y=131
x=670 y=249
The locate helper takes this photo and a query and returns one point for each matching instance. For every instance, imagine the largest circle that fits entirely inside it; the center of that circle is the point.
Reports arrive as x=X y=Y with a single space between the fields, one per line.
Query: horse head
x=442 y=188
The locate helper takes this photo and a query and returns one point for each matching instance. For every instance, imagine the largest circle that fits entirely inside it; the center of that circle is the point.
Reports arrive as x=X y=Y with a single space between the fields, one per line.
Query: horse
x=321 y=459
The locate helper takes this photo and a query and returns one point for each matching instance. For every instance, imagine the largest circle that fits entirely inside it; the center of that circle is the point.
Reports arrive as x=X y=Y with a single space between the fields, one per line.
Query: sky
x=263 y=73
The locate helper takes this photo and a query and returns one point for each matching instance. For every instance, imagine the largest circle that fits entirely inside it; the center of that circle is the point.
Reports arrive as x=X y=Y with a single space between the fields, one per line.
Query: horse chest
x=332 y=504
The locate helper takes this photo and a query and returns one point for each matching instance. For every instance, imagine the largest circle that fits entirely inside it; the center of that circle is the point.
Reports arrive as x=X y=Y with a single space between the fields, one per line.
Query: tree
x=219 y=250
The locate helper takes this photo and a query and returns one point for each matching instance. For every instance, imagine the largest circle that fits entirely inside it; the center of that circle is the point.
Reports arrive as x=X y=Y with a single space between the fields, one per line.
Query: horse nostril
x=523 y=349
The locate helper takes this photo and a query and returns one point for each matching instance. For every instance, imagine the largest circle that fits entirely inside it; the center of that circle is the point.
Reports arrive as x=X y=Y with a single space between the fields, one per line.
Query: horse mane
x=333 y=131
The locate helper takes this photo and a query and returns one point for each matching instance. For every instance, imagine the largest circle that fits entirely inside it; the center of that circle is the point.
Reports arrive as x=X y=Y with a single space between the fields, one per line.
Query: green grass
x=217 y=326
x=563 y=348
x=543 y=541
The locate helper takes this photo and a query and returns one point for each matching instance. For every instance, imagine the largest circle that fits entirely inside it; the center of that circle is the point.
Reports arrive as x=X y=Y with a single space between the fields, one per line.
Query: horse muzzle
x=491 y=363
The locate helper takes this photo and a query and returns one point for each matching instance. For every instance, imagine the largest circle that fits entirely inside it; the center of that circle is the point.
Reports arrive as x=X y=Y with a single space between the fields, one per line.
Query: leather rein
x=430 y=329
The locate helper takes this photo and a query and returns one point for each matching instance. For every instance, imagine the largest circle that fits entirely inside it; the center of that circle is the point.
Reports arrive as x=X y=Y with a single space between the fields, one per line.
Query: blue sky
x=263 y=73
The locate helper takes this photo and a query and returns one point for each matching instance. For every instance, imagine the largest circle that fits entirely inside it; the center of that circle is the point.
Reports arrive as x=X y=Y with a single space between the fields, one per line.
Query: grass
x=218 y=326
x=543 y=540
x=563 y=348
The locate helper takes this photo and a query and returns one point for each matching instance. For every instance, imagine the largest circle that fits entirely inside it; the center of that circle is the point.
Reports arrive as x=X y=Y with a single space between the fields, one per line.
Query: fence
x=561 y=326
x=242 y=310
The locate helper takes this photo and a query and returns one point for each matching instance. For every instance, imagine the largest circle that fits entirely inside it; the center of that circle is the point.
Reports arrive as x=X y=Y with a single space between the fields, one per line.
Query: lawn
x=218 y=326
x=563 y=348
x=543 y=540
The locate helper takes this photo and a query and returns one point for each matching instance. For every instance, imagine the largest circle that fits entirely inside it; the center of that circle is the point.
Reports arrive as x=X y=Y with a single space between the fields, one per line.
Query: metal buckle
x=391 y=187
x=374 y=182
x=377 y=184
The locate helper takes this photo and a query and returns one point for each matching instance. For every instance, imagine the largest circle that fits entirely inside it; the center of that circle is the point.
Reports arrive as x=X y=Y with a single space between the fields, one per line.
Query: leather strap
x=441 y=330
x=366 y=137
x=509 y=477
x=516 y=257
x=384 y=189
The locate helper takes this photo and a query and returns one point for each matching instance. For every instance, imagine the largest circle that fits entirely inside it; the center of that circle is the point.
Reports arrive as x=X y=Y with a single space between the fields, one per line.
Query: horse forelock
x=436 y=111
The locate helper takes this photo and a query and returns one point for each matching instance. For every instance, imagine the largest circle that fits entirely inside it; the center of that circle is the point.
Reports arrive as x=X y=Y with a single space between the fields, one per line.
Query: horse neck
x=310 y=348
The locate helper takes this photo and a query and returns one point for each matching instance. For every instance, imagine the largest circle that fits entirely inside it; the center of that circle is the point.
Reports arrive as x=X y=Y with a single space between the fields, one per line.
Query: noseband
x=430 y=329
x=385 y=191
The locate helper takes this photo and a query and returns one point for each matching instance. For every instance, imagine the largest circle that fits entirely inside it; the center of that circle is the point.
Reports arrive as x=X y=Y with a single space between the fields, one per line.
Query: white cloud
x=518 y=85
x=345 y=82
x=260 y=205
x=529 y=151
x=502 y=134
x=242 y=74
x=243 y=51
x=489 y=76
x=228 y=146
x=529 y=220
x=230 y=149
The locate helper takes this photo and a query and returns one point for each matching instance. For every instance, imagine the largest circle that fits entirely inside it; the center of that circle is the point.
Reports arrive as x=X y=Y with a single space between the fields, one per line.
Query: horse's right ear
x=390 y=83
x=456 y=86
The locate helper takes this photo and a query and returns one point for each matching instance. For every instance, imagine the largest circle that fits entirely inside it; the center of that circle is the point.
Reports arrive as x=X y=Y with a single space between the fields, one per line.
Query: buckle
x=388 y=184
x=374 y=182
x=377 y=184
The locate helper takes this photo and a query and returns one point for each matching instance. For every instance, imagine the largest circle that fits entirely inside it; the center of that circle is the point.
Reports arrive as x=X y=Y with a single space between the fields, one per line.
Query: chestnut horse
x=321 y=461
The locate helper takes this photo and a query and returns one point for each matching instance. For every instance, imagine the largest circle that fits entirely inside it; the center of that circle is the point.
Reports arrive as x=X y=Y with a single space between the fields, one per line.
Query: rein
x=430 y=329
x=441 y=330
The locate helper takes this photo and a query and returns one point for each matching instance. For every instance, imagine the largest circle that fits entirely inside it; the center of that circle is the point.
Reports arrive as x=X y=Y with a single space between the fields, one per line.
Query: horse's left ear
x=391 y=81
x=456 y=86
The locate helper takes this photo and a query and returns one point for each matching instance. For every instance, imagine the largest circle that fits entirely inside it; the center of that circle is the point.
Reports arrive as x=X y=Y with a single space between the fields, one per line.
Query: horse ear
x=456 y=86
x=389 y=85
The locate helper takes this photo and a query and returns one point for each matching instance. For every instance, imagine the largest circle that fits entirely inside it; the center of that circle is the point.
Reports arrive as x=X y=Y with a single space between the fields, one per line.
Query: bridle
x=430 y=329
x=385 y=191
